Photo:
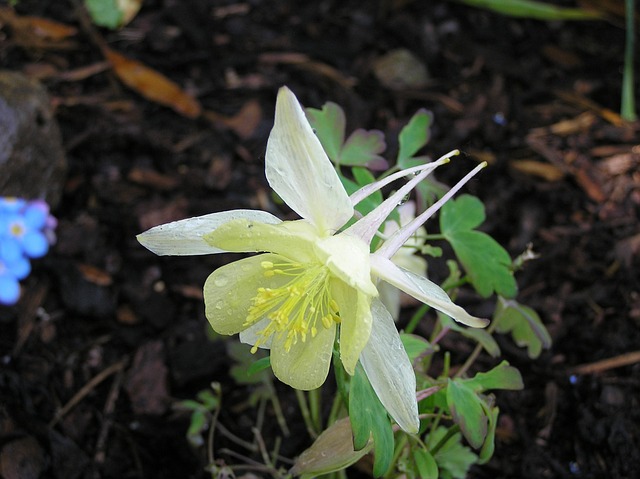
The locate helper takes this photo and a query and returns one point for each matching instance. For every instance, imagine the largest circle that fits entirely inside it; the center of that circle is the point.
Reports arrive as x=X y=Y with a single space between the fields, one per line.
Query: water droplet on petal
x=403 y=200
x=219 y=304
x=221 y=281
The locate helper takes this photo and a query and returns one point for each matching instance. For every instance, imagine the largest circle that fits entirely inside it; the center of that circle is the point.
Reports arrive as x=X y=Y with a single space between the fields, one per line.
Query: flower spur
x=311 y=278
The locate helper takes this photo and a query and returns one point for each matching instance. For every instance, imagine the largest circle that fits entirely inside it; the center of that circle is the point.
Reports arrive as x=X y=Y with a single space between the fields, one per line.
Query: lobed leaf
x=329 y=124
x=524 y=324
x=467 y=411
x=502 y=376
x=486 y=262
x=414 y=136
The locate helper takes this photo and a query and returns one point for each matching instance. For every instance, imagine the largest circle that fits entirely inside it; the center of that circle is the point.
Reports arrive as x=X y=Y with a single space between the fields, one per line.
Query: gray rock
x=32 y=160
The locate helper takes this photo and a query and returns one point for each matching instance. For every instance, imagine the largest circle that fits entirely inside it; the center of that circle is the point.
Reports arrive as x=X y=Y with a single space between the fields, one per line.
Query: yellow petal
x=306 y=365
x=291 y=239
x=229 y=291
x=355 y=324
x=348 y=258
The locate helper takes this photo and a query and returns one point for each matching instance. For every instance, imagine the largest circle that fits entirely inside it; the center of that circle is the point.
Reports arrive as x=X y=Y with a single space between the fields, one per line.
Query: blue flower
x=26 y=231
x=9 y=285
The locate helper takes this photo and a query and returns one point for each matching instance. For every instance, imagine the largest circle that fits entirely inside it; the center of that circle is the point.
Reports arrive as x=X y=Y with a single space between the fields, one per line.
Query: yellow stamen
x=296 y=308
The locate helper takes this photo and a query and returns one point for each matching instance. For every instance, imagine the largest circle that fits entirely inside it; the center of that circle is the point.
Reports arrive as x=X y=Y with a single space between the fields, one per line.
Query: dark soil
x=101 y=306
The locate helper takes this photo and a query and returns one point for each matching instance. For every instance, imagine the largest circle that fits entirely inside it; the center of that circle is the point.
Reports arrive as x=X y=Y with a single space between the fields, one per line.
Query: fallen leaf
x=243 y=123
x=400 y=69
x=152 y=85
x=147 y=177
x=34 y=33
x=537 y=168
x=146 y=382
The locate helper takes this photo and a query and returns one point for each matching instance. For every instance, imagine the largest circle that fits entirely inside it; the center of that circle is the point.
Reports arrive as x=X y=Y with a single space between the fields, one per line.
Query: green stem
x=474 y=354
x=314 y=405
x=628 y=109
x=306 y=416
x=453 y=430
x=416 y=318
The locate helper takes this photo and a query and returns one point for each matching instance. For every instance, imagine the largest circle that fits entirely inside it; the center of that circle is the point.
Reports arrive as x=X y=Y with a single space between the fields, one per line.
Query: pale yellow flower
x=311 y=280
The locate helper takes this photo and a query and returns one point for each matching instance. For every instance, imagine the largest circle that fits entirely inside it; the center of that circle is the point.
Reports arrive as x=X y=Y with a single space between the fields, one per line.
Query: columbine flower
x=312 y=279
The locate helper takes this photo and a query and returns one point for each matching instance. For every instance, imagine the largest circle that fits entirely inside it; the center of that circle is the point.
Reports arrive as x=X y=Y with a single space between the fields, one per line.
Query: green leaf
x=453 y=458
x=370 y=202
x=533 y=9
x=415 y=346
x=105 y=13
x=332 y=451
x=481 y=336
x=248 y=368
x=467 y=411
x=364 y=148
x=502 y=376
x=426 y=465
x=489 y=443
x=414 y=136
x=524 y=324
x=329 y=125
x=486 y=262
x=369 y=419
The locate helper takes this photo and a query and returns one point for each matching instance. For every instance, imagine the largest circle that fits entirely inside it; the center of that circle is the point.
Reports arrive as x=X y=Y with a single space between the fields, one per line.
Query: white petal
x=185 y=237
x=389 y=370
x=400 y=237
x=422 y=289
x=299 y=170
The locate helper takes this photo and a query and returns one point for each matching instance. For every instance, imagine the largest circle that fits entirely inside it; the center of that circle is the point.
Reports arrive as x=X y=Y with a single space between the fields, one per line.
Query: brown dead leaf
x=538 y=168
x=152 y=178
x=95 y=275
x=152 y=85
x=37 y=32
x=146 y=382
x=243 y=123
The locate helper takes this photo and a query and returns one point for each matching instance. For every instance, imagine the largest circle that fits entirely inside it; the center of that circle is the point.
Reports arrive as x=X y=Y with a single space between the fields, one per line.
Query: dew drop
x=219 y=304
x=404 y=199
x=221 y=281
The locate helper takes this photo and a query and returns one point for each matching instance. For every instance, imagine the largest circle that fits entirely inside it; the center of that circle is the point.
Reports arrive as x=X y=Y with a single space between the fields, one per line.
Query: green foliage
x=502 y=376
x=413 y=137
x=467 y=411
x=628 y=107
x=426 y=465
x=369 y=420
x=453 y=458
x=105 y=13
x=524 y=324
x=362 y=148
x=533 y=9
x=486 y=262
x=206 y=402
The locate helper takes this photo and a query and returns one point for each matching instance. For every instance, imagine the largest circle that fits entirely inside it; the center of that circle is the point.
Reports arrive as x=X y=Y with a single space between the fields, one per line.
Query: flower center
x=298 y=308
x=16 y=229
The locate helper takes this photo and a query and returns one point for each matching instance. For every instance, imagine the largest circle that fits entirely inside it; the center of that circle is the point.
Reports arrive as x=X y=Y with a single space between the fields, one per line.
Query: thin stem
x=474 y=354
x=628 y=108
x=314 y=405
x=306 y=416
x=453 y=430
x=416 y=318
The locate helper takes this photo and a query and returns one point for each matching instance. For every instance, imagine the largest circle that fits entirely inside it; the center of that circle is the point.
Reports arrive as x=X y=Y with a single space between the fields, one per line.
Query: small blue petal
x=9 y=203
x=35 y=244
x=35 y=216
x=20 y=268
x=9 y=290
x=10 y=250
